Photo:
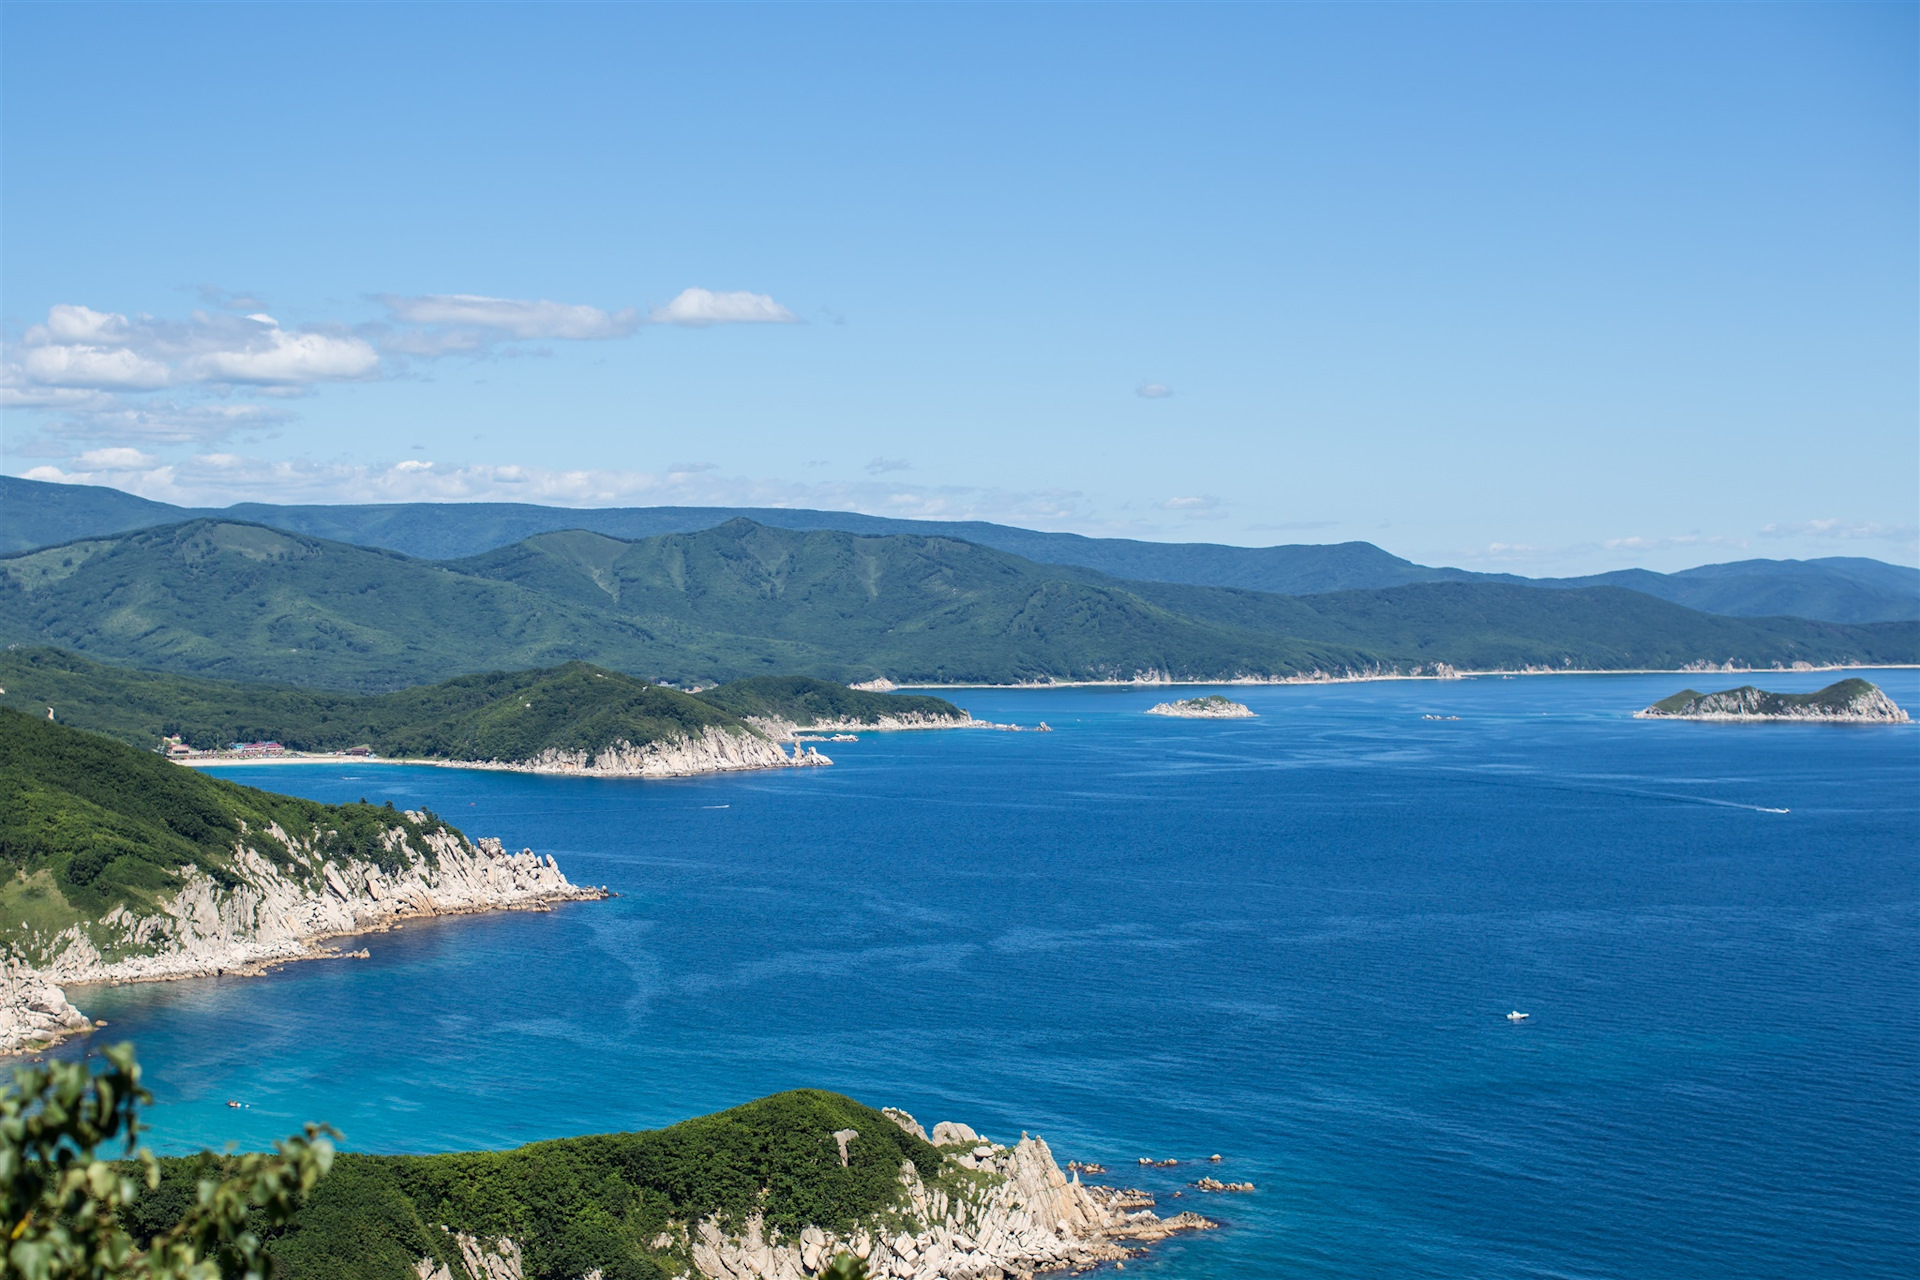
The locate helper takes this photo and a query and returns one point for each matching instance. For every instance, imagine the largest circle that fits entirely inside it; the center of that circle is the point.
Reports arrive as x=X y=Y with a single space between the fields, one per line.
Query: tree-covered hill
x=804 y=701
x=741 y=600
x=90 y=824
x=501 y=715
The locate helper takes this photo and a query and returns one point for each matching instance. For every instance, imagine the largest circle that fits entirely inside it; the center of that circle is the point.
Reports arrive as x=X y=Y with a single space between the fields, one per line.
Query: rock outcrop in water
x=1853 y=701
x=258 y=914
x=1012 y=1214
x=1211 y=707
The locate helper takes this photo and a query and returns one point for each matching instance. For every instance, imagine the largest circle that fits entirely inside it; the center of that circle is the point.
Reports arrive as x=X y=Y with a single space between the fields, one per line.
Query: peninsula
x=1849 y=701
x=773 y=1190
x=572 y=719
x=120 y=867
x=1213 y=706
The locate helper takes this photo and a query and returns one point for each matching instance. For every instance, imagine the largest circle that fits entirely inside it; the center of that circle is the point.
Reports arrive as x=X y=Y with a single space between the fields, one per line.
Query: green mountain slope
x=744 y=600
x=90 y=824
x=1491 y=625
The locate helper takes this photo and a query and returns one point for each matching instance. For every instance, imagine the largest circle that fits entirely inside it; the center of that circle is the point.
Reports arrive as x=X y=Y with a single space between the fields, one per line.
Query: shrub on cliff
x=67 y=1207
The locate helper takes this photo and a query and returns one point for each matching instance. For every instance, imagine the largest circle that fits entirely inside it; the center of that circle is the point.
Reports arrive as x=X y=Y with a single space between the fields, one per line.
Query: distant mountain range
x=1831 y=589
x=215 y=597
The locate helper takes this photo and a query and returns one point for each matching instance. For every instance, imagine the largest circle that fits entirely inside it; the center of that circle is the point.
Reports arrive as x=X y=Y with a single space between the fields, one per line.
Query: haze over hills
x=1834 y=589
x=219 y=598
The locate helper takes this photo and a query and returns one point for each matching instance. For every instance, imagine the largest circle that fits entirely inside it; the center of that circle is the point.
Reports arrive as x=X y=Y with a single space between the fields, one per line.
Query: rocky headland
x=256 y=913
x=714 y=750
x=989 y=1212
x=1849 y=701
x=1212 y=707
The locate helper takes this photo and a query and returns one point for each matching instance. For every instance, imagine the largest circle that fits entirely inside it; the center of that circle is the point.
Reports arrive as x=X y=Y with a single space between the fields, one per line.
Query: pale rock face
x=1202 y=709
x=273 y=915
x=1871 y=707
x=784 y=730
x=714 y=751
x=949 y=1132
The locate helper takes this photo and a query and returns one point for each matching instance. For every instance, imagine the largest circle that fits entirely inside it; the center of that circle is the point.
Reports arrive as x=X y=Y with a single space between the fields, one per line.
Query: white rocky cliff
x=270 y=914
x=714 y=751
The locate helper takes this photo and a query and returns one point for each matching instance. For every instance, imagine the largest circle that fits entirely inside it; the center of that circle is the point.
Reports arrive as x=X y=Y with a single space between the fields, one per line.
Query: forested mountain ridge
x=1834 y=589
x=246 y=602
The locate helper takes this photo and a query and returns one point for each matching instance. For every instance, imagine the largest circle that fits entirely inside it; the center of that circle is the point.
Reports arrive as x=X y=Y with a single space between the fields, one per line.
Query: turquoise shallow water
x=1290 y=940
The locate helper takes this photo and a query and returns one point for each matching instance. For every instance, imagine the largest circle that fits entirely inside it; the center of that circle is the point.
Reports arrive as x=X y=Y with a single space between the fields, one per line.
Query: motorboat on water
x=1517 y=1016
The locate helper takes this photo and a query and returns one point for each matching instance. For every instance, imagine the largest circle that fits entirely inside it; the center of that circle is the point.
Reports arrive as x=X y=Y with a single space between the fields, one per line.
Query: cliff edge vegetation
x=1853 y=700
x=772 y=1190
x=802 y=702
x=118 y=865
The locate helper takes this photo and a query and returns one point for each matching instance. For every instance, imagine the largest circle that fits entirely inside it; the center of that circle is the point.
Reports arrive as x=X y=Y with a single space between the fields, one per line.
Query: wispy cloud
x=699 y=308
x=1153 y=391
x=1674 y=542
x=880 y=466
x=217 y=478
x=1195 y=507
x=1842 y=530
x=512 y=317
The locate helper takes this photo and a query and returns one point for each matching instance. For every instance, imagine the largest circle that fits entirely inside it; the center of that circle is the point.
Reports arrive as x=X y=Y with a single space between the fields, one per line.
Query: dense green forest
x=90 y=824
x=804 y=701
x=218 y=598
x=1837 y=698
x=579 y=1205
x=501 y=715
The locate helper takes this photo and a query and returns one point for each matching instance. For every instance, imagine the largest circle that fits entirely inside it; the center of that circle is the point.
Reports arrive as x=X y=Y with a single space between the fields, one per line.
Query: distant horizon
x=205 y=509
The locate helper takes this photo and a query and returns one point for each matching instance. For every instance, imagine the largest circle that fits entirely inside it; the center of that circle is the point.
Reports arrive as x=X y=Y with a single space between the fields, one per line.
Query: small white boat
x=1517 y=1016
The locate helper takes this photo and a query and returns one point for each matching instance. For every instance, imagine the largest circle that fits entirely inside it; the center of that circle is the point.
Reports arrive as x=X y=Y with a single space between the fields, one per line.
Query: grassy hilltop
x=213 y=597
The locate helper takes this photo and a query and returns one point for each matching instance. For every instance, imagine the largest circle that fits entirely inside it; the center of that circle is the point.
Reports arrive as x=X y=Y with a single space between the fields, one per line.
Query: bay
x=1291 y=940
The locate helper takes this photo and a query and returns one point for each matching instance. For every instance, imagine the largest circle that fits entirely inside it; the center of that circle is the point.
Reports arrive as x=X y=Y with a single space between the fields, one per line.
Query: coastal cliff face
x=1849 y=701
x=257 y=914
x=713 y=751
x=991 y=1211
x=785 y=730
x=1209 y=708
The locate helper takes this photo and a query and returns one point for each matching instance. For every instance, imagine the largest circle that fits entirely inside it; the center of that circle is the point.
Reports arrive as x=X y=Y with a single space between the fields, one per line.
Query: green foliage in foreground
x=804 y=701
x=90 y=823
x=577 y=1204
x=69 y=1209
x=1837 y=697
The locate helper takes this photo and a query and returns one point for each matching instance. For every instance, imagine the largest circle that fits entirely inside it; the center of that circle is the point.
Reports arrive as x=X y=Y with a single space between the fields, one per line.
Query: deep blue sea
x=1291 y=940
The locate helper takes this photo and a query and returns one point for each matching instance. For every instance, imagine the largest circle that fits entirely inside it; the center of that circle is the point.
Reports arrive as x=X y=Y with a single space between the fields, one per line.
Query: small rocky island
x=1212 y=707
x=1851 y=701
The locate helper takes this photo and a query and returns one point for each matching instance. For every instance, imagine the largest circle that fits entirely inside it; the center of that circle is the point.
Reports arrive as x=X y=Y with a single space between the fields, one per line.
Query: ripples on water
x=1290 y=940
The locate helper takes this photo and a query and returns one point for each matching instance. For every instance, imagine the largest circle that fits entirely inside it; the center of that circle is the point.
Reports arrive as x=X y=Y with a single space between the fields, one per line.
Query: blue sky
x=1549 y=289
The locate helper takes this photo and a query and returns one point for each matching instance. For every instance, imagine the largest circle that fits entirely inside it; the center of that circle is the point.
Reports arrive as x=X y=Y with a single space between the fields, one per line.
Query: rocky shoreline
x=269 y=915
x=1209 y=708
x=1012 y=1213
x=1847 y=702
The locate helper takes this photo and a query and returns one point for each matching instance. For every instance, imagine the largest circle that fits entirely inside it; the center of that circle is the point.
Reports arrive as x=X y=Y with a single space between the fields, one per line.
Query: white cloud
x=513 y=317
x=1153 y=391
x=69 y=323
x=93 y=368
x=880 y=466
x=1673 y=543
x=698 y=308
x=292 y=359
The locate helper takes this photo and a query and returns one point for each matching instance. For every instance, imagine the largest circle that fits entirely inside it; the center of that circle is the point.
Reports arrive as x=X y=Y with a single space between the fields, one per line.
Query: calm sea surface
x=1290 y=940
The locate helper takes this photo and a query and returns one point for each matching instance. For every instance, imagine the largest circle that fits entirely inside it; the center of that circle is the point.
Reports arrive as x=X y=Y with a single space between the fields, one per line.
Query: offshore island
x=1213 y=706
x=1852 y=701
